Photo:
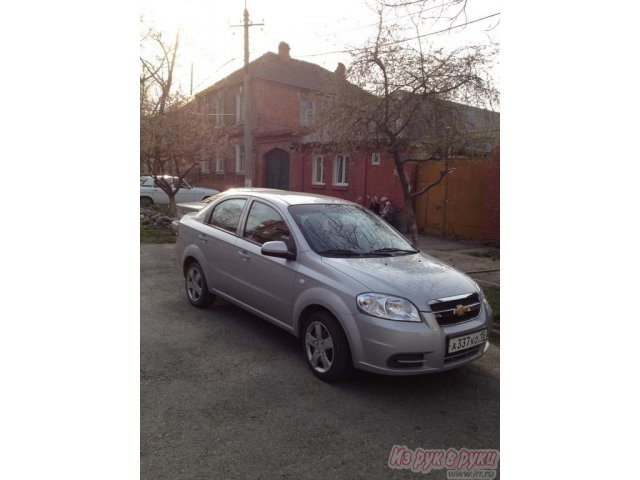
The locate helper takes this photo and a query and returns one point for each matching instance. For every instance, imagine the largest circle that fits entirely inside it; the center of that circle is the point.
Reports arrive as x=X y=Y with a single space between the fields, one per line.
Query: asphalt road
x=226 y=395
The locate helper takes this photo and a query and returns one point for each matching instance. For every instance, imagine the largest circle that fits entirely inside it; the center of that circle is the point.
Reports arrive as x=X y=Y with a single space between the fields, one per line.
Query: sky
x=215 y=47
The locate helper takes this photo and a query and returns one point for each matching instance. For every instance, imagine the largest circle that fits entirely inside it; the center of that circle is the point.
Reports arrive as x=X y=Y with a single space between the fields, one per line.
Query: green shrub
x=493 y=297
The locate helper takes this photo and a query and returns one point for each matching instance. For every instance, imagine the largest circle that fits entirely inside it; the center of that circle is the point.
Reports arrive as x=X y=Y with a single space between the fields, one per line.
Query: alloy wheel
x=319 y=347
x=194 y=284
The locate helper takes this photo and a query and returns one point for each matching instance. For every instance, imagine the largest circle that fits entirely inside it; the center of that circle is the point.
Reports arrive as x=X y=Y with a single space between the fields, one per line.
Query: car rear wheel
x=326 y=348
x=146 y=201
x=196 y=286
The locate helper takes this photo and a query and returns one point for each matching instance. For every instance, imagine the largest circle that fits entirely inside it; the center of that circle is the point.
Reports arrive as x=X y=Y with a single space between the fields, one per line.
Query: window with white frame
x=341 y=170
x=240 y=161
x=318 y=170
x=239 y=107
x=307 y=112
x=375 y=158
x=204 y=162
x=219 y=162
x=220 y=110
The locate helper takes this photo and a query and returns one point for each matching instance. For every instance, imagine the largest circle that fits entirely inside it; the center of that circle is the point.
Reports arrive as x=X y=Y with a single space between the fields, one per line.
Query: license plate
x=464 y=342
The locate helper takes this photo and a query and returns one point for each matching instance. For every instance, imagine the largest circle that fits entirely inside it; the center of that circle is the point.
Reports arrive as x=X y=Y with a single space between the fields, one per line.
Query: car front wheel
x=196 y=286
x=326 y=348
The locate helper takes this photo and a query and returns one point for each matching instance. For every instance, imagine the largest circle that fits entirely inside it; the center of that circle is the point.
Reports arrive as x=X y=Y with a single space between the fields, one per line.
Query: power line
x=392 y=19
x=404 y=40
x=209 y=78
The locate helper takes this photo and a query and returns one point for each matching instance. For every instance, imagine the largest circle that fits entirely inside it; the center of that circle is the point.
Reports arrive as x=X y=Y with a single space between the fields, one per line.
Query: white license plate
x=464 y=342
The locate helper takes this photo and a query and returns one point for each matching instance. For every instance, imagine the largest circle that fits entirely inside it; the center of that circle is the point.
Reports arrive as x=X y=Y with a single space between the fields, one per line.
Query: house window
x=307 y=112
x=375 y=158
x=220 y=110
x=318 y=170
x=219 y=162
x=341 y=170
x=240 y=163
x=204 y=162
x=239 y=107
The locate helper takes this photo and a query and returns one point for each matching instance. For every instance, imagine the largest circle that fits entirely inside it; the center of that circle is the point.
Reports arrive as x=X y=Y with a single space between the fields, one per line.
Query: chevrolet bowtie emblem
x=460 y=310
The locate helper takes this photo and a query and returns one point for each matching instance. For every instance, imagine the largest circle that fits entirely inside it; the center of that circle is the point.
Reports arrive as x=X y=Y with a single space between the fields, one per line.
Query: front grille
x=449 y=311
x=455 y=357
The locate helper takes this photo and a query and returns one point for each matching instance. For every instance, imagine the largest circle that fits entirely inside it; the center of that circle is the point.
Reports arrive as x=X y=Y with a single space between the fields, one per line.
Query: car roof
x=285 y=197
x=159 y=176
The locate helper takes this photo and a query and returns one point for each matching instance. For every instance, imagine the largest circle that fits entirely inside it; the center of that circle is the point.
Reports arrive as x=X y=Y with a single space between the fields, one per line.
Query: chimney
x=283 y=49
x=341 y=71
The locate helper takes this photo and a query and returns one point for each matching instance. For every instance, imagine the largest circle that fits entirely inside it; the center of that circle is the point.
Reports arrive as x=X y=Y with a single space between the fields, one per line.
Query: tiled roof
x=281 y=69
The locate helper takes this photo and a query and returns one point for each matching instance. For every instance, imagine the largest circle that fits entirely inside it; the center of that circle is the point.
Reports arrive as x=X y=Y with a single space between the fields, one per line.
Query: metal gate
x=455 y=206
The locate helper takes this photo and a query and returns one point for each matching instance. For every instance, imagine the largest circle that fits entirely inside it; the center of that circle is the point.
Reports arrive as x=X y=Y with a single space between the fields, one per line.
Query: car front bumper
x=409 y=348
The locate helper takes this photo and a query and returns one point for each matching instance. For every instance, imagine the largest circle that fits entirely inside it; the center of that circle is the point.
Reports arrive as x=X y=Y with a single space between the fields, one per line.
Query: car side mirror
x=277 y=249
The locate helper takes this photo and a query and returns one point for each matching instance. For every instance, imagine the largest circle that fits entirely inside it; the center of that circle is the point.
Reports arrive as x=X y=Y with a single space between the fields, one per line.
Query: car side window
x=226 y=215
x=264 y=224
x=156 y=183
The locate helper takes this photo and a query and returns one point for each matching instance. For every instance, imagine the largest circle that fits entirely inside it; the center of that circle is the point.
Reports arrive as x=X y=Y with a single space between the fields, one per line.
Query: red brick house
x=285 y=95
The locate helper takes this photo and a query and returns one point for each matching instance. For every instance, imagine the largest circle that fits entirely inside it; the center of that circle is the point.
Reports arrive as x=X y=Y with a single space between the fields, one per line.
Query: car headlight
x=478 y=288
x=387 y=306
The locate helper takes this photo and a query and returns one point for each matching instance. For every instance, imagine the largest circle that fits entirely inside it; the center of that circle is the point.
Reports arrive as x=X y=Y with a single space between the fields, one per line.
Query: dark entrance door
x=277 y=169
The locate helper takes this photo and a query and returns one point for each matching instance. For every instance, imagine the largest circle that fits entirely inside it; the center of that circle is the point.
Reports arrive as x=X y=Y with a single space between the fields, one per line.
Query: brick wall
x=365 y=180
x=275 y=107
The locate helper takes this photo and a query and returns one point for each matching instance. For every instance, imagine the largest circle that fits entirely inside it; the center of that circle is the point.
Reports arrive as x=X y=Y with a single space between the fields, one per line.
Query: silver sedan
x=333 y=274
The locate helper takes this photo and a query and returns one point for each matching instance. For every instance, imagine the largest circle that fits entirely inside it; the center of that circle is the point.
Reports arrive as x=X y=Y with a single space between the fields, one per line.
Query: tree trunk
x=411 y=219
x=408 y=202
x=172 y=205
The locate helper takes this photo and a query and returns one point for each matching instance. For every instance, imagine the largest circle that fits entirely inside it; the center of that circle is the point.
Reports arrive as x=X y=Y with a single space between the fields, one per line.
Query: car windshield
x=339 y=230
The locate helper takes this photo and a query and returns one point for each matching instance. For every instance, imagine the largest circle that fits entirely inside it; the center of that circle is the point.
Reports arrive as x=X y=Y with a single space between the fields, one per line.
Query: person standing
x=375 y=205
x=388 y=212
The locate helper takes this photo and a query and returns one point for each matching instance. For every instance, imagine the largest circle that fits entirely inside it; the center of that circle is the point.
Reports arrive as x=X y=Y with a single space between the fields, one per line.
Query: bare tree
x=407 y=98
x=175 y=133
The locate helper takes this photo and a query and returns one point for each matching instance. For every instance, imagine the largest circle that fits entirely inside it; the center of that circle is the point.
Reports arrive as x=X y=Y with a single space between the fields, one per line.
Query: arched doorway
x=277 y=161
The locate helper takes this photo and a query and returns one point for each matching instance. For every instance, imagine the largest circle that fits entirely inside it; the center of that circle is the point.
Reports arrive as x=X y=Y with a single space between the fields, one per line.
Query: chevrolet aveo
x=351 y=288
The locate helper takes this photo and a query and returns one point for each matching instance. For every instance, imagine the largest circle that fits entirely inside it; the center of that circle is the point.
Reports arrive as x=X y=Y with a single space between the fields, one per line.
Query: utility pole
x=246 y=102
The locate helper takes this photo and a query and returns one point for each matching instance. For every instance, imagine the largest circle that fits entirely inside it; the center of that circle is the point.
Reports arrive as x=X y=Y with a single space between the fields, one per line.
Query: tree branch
x=443 y=173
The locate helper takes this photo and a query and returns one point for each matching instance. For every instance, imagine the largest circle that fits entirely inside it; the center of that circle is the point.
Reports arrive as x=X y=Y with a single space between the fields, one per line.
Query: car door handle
x=243 y=254
x=202 y=237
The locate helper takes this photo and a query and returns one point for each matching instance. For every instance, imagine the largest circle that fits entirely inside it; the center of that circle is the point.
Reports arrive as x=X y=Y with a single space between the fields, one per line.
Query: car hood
x=418 y=278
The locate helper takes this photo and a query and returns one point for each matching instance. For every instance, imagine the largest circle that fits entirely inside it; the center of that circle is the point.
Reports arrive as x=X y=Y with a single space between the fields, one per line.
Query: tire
x=325 y=347
x=146 y=201
x=196 y=286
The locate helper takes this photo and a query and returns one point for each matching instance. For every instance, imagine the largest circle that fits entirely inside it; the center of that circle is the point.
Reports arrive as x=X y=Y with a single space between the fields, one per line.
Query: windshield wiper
x=340 y=252
x=390 y=251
